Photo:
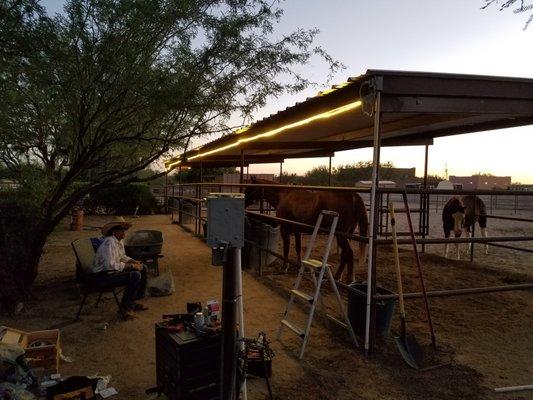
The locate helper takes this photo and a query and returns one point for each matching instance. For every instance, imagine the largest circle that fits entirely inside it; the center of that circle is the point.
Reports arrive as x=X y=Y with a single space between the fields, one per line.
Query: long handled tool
x=420 y=274
x=407 y=344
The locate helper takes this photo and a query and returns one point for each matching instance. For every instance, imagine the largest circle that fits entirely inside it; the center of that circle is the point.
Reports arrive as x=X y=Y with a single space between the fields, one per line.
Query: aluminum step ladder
x=312 y=268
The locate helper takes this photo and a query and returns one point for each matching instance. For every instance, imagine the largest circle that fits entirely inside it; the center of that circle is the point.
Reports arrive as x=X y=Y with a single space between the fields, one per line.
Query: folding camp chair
x=84 y=251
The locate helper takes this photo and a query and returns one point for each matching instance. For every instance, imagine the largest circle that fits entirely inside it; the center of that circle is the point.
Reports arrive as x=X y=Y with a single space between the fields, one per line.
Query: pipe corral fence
x=185 y=203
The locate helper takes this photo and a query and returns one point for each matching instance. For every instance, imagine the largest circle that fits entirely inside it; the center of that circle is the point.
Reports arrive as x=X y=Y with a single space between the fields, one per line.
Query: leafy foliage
x=194 y=174
x=348 y=175
x=98 y=93
x=122 y=200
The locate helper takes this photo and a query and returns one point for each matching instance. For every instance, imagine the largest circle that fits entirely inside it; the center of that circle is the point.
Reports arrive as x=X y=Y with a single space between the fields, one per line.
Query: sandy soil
x=487 y=339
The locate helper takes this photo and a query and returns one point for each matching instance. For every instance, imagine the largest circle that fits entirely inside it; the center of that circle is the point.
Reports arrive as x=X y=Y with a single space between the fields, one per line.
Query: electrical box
x=225 y=220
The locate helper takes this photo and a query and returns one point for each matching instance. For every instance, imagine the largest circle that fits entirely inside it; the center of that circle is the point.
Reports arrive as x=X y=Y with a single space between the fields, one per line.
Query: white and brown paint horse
x=460 y=214
x=304 y=206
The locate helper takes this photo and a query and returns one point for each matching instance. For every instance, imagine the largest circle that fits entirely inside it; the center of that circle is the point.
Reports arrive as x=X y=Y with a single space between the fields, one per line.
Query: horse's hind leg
x=468 y=234
x=483 y=228
x=347 y=257
x=285 y=236
x=363 y=248
x=342 y=262
x=298 y=246
x=446 y=245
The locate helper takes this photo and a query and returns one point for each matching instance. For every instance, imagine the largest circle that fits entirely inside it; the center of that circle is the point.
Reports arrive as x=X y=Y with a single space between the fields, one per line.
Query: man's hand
x=135 y=265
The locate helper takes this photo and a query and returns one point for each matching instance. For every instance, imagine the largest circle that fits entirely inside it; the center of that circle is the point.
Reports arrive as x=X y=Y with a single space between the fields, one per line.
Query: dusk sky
x=431 y=35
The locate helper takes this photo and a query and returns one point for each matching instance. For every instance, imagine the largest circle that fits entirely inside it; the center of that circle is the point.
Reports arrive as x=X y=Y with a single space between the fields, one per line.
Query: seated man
x=112 y=267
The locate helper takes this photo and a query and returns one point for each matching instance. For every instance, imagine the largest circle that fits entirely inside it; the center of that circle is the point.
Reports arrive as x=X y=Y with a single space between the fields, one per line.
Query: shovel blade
x=410 y=350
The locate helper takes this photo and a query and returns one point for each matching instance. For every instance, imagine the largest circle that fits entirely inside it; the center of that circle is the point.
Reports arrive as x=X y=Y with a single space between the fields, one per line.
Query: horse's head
x=253 y=193
x=458 y=220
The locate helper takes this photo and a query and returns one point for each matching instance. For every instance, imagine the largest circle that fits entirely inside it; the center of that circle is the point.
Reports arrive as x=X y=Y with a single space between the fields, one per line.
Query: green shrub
x=122 y=200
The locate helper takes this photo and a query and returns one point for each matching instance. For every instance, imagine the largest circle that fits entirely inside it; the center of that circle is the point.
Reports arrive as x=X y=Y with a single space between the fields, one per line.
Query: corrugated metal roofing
x=416 y=107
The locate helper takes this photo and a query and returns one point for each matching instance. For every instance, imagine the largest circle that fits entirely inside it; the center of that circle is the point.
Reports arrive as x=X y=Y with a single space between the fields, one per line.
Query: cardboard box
x=42 y=348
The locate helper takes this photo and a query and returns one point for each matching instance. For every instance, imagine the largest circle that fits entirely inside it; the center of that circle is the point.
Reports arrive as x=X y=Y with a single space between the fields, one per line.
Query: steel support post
x=228 y=369
x=198 y=208
x=280 y=172
x=424 y=203
x=166 y=192
x=372 y=234
x=241 y=175
x=329 y=173
x=172 y=210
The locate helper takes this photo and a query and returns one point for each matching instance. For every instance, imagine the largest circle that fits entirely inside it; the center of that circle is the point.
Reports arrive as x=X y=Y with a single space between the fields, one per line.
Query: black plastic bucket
x=357 y=310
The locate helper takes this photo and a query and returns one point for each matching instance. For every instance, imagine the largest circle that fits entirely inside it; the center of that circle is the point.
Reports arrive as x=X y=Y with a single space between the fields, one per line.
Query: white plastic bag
x=163 y=285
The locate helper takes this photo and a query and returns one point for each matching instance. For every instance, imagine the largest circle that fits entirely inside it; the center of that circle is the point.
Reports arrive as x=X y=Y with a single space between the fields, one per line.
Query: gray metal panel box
x=225 y=219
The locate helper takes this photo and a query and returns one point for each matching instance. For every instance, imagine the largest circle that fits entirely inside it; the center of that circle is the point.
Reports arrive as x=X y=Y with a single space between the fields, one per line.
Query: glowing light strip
x=169 y=166
x=325 y=115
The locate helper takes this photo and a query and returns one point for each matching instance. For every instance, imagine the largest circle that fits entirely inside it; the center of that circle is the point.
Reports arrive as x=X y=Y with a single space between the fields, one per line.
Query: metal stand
x=225 y=235
x=229 y=325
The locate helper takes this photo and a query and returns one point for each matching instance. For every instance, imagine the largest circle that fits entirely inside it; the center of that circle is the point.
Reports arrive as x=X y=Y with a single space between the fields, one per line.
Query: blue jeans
x=134 y=283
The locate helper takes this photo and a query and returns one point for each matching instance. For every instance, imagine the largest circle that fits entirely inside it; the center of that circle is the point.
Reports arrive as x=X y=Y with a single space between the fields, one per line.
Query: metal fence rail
x=192 y=196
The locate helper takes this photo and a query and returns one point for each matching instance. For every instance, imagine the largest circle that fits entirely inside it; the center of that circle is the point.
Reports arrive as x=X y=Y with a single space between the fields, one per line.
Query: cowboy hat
x=119 y=221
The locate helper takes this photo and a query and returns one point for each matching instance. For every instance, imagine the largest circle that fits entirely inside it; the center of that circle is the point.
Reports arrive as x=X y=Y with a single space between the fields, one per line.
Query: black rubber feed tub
x=143 y=244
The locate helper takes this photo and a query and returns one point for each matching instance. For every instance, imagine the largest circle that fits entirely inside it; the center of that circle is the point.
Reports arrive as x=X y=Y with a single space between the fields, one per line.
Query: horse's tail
x=361 y=220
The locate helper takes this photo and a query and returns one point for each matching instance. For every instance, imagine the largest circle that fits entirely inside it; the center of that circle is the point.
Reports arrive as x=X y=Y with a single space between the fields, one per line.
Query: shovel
x=407 y=344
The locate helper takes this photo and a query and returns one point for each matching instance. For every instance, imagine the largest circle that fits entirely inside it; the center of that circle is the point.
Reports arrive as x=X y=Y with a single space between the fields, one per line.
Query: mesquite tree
x=521 y=7
x=94 y=95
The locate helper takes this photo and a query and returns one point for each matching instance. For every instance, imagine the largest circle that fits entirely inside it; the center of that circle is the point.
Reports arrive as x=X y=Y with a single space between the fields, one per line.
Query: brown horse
x=304 y=206
x=460 y=214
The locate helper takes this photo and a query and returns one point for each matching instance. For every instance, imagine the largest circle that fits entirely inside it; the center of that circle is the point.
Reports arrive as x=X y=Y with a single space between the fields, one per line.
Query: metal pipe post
x=241 y=175
x=329 y=173
x=372 y=235
x=424 y=206
x=240 y=310
x=280 y=172
x=172 y=210
x=166 y=192
x=198 y=210
x=228 y=368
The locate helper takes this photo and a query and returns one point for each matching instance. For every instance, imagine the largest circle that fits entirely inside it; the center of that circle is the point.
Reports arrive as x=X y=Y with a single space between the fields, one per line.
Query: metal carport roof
x=415 y=108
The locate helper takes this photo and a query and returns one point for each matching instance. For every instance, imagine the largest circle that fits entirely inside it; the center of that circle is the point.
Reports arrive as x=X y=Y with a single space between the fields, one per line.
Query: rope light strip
x=273 y=132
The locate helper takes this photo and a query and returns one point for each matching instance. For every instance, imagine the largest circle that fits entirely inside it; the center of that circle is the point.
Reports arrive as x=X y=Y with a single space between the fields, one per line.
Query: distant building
x=382 y=184
x=401 y=176
x=447 y=185
x=526 y=187
x=482 y=182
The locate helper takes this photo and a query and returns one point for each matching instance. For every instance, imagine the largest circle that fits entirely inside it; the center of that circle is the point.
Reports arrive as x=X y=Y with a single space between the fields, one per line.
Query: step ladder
x=312 y=268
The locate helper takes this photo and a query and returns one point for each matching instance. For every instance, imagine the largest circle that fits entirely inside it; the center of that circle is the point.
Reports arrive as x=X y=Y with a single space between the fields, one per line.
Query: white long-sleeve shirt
x=110 y=256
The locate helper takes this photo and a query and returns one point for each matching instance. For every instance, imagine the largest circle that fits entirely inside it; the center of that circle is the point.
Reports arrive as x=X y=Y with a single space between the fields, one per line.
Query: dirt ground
x=485 y=340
